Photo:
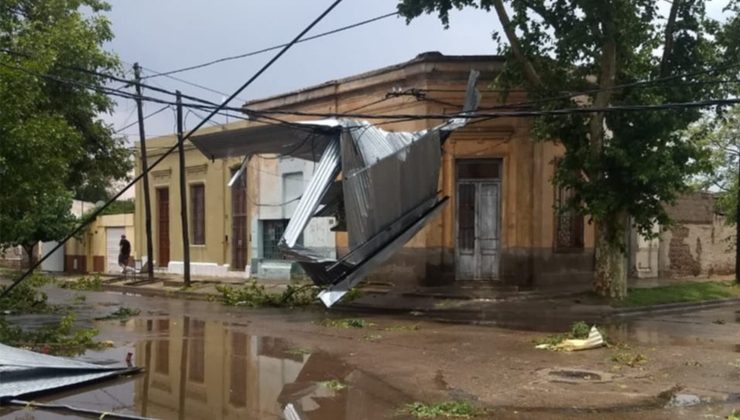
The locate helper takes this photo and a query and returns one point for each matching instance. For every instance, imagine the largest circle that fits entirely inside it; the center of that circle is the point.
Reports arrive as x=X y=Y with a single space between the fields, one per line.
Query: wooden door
x=163 y=227
x=239 y=223
x=477 y=250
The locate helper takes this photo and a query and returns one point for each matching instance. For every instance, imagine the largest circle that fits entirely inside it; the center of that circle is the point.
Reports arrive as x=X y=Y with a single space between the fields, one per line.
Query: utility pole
x=145 y=178
x=183 y=201
x=737 y=219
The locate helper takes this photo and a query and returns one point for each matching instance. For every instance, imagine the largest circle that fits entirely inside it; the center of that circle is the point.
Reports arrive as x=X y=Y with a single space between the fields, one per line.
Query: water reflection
x=206 y=370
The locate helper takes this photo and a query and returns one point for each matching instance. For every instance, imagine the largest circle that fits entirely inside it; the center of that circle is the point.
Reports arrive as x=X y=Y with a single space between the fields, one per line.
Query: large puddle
x=209 y=369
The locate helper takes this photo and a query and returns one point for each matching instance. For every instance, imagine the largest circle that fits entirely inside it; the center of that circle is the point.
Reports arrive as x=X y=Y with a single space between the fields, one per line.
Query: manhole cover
x=575 y=375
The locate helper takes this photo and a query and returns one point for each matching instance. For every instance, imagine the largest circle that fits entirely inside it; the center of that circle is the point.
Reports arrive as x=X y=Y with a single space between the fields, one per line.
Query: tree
x=721 y=134
x=621 y=166
x=53 y=145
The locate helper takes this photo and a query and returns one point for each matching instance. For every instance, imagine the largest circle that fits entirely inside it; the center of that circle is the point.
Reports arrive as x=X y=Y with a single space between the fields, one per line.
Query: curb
x=674 y=307
x=157 y=292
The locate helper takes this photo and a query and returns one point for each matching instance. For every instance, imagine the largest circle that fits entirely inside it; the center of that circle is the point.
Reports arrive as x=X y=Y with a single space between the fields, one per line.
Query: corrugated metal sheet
x=325 y=173
x=389 y=185
x=24 y=372
x=302 y=140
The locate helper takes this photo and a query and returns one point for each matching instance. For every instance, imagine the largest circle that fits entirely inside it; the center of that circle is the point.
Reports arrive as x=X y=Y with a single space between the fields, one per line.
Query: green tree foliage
x=721 y=134
x=621 y=166
x=53 y=145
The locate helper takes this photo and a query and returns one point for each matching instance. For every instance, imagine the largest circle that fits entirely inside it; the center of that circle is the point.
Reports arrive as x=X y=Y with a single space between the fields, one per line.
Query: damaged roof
x=389 y=186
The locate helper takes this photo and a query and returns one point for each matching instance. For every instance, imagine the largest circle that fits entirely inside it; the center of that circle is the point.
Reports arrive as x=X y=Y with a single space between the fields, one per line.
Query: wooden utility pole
x=145 y=178
x=183 y=195
x=737 y=221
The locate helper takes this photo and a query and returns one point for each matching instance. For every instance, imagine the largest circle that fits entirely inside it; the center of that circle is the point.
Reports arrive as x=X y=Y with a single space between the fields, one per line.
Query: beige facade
x=528 y=228
x=96 y=250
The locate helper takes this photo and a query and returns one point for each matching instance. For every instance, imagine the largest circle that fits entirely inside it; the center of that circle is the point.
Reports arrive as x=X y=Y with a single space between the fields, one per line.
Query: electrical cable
x=209 y=104
x=103 y=75
x=215 y=109
x=148 y=169
x=264 y=50
x=145 y=117
x=498 y=114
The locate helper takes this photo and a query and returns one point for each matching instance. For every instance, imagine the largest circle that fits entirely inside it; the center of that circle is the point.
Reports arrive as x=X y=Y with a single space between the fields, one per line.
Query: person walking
x=124 y=252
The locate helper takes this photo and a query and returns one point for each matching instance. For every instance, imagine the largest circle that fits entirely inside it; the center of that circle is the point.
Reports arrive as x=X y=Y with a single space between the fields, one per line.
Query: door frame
x=157 y=192
x=241 y=184
x=499 y=181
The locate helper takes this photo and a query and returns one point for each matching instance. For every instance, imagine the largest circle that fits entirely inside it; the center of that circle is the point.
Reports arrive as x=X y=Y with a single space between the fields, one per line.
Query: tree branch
x=670 y=28
x=529 y=72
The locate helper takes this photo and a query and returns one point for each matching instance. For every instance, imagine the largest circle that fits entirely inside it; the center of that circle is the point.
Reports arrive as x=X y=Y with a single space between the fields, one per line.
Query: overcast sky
x=167 y=34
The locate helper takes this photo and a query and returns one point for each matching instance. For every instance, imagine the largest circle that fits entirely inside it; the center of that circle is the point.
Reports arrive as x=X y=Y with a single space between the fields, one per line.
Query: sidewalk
x=482 y=305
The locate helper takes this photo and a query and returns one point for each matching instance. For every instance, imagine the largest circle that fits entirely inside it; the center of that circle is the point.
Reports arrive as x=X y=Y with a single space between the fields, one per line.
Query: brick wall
x=701 y=242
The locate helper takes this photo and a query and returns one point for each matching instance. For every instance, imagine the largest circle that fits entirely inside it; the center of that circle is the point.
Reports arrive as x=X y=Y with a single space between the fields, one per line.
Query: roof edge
x=423 y=58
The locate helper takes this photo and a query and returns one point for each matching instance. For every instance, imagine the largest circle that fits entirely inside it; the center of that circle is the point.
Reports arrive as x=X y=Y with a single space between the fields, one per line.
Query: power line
x=148 y=169
x=108 y=76
x=498 y=114
x=269 y=114
x=145 y=117
x=264 y=50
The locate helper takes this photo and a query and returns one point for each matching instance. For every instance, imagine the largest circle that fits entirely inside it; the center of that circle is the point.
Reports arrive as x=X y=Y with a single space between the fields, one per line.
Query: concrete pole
x=183 y=195
x=145 y=178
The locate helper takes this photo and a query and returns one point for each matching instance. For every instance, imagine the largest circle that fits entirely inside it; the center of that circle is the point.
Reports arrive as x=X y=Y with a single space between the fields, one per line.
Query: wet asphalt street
x=206 y=361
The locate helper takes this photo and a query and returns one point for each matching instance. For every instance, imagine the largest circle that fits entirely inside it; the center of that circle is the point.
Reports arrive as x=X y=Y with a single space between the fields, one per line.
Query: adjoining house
x=700 y=243
x=96 y=249
x=499 y=226
x=16 y=258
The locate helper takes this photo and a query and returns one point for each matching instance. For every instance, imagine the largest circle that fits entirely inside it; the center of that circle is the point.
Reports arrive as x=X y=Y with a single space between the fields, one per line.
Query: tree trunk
x=610 y=271
x=31 y=255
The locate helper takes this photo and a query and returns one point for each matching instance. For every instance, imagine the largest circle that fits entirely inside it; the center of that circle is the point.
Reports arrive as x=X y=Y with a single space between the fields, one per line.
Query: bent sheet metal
x=387 y=191
x=23 y=372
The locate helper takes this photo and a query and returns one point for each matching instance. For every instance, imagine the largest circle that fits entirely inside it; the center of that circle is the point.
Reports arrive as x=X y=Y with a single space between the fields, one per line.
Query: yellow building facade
x=497 y=177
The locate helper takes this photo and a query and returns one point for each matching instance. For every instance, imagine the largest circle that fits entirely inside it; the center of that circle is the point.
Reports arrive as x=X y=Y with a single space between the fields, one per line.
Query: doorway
x=112 y=240
x=163 y=227
x=239 y=222
x=478 y=224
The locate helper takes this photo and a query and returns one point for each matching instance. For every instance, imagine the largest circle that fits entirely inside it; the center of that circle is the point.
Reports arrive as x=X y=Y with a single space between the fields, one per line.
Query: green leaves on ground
x=256 y=295
x=123 y=313
x=449 y=409
x=24 y=299
x=60 y=338
x=625 y=357
x=93 y=283
x=333 y=385
x=347 y=323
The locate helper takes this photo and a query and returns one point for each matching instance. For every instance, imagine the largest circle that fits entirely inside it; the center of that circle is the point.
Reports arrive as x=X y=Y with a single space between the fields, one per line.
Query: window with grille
x=272 y=232
x=197 y=214
x=568 y=222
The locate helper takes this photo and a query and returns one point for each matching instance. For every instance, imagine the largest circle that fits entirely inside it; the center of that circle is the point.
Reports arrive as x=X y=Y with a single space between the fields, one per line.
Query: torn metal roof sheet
x=23 y=372
x=305 y=140
x=389 y=186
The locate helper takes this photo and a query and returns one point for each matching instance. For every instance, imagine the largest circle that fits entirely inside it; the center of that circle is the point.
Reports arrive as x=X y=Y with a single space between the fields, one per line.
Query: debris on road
x=25 y=372
x=594 y=340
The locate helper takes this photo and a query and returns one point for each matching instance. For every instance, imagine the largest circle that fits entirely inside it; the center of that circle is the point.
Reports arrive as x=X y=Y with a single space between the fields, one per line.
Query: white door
x=112 y=238
x=55 y=262
x=477 y=230
x=478 y=224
